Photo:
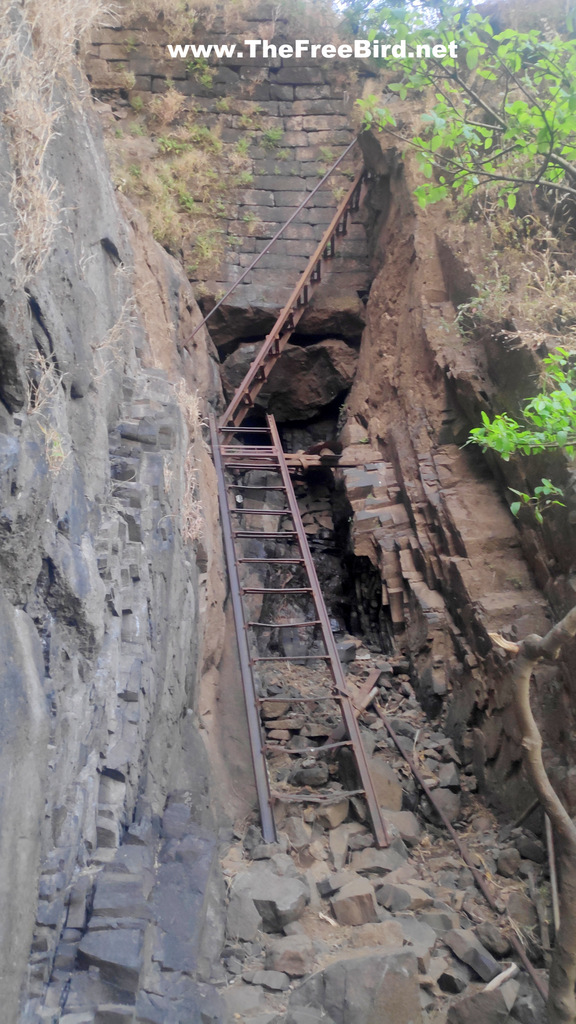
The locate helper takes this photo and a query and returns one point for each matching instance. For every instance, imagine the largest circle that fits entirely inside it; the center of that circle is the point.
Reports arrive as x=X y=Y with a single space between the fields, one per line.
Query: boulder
x=293 y=955
x=117 y=953
x=454 y=978
x=279 y=900
x=493 y=938
x=303 y=381
x=381 y=988
x=522 y=910
x=449 y=802
x=508 y=862
x=485 y=1007
x=384 y=933
x=406 y=824
x=469 y=949
x=531 y=849
x=275 y=981
x=355 y=903
x=242 y=918
x=377 y=862
x=386 y=783
x=334 y=814
x=403 y=897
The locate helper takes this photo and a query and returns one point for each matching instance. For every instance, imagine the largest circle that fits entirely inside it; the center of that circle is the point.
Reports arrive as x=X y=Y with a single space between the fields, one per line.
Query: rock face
x=431 y=522
x=102 y=601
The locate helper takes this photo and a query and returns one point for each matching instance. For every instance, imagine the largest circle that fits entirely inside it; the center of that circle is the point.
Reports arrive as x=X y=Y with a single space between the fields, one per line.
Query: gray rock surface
x=377 y=989
x=469 y=949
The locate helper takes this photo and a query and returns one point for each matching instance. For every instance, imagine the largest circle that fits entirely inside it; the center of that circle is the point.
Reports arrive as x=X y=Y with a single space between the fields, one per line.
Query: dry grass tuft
x=164 y=109
x=44 y=385
x=39 y=41
x=109 y=350
x=180 y=15
x=192 y=519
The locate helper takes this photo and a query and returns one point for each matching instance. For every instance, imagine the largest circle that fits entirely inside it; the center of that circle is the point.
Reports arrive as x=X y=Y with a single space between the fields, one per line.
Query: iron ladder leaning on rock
x=236 y=463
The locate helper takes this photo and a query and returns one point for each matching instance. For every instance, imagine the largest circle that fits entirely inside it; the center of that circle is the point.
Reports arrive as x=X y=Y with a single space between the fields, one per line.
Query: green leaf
x=472 y=57
x=515 y=507
x=511 y=200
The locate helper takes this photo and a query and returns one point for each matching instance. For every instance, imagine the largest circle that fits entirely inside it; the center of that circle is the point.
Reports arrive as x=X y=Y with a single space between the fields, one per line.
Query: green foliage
x=167 y=144
x=549 y=423
x=504 y=109
x=200 y=69
x=545 y=495
x=243 y=145
x=271 y=137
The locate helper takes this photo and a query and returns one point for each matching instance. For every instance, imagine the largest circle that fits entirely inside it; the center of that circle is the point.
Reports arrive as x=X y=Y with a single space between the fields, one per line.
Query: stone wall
x=294 y=119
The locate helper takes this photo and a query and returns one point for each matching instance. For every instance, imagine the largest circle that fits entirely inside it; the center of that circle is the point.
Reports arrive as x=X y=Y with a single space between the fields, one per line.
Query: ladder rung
x=300 y=700
x=277 y=590
x=257 y=487
x=259 y=512
x=304 y=657
x=285 y=625
x=284 y=534
x=303 y=796
x=307 y=750
x=244 y=430
x=248 y=466
x=273 y=561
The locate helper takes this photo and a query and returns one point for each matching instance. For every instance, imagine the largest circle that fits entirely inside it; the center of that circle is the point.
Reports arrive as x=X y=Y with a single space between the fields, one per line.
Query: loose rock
x=355 y=903
x=469 y=949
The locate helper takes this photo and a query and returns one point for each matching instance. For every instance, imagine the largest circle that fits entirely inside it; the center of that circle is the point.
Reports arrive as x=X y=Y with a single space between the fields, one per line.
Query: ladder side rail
x=348 y=714
x=252 y=712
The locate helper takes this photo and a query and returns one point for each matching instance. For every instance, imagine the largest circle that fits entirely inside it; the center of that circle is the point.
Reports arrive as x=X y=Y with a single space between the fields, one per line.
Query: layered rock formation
x=108 y=616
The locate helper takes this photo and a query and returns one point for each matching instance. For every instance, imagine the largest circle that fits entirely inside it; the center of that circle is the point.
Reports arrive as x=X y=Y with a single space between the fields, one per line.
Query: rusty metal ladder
x=235 y=461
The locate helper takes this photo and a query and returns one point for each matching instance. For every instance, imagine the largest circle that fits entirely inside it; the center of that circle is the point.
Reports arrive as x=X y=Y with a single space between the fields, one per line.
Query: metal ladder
x=236 y=462
x=235 y=465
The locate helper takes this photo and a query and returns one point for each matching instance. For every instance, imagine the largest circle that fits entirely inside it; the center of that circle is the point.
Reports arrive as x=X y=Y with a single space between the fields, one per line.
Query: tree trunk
x=561 y=1002
x=561 y=1007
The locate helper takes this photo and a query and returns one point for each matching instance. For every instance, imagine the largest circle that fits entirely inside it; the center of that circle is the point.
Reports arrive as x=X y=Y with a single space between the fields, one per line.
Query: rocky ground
x=325 y=927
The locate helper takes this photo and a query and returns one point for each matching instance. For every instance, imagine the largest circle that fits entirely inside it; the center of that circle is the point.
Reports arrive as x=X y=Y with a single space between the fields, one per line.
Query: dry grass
x=108 y=352
x=38 y=50
x=180 y=15
x=192 y=518
x=163 y=110
x=44 y=385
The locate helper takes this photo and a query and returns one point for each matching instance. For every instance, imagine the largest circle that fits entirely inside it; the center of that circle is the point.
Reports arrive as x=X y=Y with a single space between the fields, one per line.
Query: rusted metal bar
x=308 y=750
x=299 y=699
x=462 y=850
x=258 y=511
x=285 y=625
x=306 y=797
x=280 y=231
x=252 y=712
x=277 y=590
x=286 y=322
x=274 y=561
x=298 y=658
x=378 y=824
